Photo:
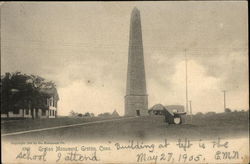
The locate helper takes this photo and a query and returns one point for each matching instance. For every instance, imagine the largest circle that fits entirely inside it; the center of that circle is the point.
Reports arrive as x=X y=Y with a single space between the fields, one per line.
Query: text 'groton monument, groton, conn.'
x=136 y=99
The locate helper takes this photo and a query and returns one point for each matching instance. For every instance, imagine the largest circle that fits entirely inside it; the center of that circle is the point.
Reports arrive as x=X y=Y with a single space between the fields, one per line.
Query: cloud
x=83 y=47
x=89 y=97
x=203 y=90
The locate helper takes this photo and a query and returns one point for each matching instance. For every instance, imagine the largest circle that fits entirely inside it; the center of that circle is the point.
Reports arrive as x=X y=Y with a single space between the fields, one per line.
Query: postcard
x=124 y=82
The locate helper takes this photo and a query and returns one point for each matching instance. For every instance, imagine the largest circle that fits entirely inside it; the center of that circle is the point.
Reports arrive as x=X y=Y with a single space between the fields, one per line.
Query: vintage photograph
x=124 y=82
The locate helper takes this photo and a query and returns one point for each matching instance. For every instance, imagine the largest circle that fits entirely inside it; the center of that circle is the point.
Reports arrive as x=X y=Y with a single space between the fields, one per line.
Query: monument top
x=135 y=9
x=135 y=12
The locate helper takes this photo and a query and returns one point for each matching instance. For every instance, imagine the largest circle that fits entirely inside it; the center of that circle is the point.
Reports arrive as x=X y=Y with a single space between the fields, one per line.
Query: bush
x=227 y=110
x=199 y=114
x=210 y=113
x=79 y=115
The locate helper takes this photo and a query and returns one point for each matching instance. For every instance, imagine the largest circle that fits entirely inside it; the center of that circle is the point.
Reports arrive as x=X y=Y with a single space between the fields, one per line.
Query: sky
x=83 y=48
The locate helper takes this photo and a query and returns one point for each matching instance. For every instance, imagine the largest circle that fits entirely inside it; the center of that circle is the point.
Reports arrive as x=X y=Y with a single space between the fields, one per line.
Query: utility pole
x=224 y=92
x=186 y=82
x=190 y=109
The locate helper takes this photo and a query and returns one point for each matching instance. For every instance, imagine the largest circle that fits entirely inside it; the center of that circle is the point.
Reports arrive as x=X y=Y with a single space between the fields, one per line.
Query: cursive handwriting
x=74 y=156
x=135 y=145
x=26 y=154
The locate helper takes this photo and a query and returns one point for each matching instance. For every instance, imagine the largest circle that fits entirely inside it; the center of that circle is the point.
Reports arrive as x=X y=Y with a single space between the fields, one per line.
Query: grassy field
x=226 y=125
x=9 y=126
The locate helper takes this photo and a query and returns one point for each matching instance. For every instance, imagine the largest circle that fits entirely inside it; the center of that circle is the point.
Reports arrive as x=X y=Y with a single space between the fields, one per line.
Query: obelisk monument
x=136 y=99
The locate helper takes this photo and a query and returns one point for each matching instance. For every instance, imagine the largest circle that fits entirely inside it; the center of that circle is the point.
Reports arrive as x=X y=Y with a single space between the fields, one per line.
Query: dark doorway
x=36 y=113
x=137 y=112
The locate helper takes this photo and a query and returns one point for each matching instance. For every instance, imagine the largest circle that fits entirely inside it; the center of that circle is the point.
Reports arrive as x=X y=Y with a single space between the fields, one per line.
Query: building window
x=50 y=101
x=15 y=112
x=43 y=112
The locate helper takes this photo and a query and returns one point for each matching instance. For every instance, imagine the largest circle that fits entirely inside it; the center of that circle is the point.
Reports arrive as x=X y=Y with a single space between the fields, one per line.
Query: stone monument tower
x=136 y=99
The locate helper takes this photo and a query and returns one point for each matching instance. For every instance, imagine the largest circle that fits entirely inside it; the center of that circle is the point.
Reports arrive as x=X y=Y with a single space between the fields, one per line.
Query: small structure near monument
x=172 y=115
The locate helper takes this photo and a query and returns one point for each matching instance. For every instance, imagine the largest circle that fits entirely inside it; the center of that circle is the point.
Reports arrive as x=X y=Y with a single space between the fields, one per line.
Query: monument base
x=136 y=105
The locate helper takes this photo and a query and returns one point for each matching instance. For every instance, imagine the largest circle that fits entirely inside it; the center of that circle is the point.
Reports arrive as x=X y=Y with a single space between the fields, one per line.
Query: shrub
x=227 y=110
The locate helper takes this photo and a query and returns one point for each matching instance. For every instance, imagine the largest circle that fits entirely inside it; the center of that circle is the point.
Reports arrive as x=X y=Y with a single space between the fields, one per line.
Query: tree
x=227 y=110
x=210 y=113
x=87 y=114
x=73 y=114
x=79 y=115
x=106 y=114
x=21 y=91
x=199 y=114
x=92 y=115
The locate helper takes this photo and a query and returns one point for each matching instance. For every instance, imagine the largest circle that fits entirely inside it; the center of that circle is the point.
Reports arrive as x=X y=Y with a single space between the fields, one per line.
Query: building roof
x=158 y=107
x=179 y=108
x=169 y=108
x=115 y=114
